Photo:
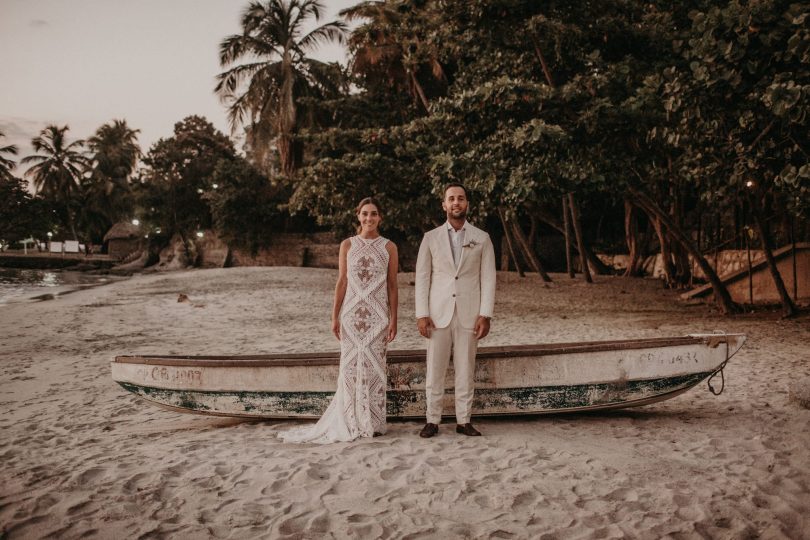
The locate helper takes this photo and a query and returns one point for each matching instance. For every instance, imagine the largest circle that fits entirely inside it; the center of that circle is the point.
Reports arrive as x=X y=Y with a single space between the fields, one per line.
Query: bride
x=364 y=320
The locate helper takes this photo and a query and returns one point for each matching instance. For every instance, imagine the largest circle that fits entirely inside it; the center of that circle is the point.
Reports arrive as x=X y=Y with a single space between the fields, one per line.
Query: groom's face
x=455 y=203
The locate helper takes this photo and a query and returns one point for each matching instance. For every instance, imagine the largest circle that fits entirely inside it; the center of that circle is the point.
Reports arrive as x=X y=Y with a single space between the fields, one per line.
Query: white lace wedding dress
x=358 y=407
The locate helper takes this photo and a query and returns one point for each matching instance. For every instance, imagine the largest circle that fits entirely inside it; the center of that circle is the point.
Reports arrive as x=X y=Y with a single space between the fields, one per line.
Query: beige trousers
x=464 y=345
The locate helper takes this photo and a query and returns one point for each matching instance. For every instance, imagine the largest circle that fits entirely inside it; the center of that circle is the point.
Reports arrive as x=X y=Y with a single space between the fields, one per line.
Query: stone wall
x=212 y=252
x=726 y=262
x=292 y=249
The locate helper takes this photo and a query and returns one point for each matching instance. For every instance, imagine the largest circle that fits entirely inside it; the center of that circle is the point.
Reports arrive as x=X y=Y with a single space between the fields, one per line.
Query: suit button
x=454 y=296
x=456 y=277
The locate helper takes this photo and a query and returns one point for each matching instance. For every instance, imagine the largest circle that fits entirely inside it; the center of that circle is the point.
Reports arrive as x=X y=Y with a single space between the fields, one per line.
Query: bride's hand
x=392 y=332
x=336 y=328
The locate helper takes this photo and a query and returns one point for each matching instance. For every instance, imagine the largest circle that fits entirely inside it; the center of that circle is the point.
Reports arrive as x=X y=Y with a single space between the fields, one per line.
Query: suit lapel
x=444 y=244
x=469 y=235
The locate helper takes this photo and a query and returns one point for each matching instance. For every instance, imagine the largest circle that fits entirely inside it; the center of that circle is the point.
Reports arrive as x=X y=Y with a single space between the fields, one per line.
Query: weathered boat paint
x=529 y=379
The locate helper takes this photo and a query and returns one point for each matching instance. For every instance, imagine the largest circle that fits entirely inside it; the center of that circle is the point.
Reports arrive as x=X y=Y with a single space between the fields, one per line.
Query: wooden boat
x=525 y=379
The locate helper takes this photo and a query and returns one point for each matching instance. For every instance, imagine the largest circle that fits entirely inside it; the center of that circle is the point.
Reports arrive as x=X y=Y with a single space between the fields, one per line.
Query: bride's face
x=369 y=218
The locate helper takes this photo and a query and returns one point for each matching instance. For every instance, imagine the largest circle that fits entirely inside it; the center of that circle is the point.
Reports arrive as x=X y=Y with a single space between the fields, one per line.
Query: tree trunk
x=508 y=236
x=531 y=256
x=586 y=271
x=286 y=154
x=727 y=305
x=682 y=269
x=631 y=237
x=70 y=220
x=542 y=59
x=569 y=265
x=666 y=256
x=419 y=92
x=593 y=260
x=788 y=306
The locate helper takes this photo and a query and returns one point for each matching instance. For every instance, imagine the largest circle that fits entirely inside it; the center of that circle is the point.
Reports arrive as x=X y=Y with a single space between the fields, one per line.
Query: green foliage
x=245 y=206
x=6 y=163
x=518 y=134
x=737 y=103
x=268 y=72
x=177 y=171
x=56 y=170
x=22 y=215
x=691 y=103
x=106 y=192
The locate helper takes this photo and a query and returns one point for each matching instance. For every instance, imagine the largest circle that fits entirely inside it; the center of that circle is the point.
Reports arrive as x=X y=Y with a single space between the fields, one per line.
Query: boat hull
x=533 y=379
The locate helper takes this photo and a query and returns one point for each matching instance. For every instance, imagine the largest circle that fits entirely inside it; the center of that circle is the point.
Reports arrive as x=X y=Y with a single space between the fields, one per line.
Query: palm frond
x=334 y=31
x=364 y=10
x=230 y=81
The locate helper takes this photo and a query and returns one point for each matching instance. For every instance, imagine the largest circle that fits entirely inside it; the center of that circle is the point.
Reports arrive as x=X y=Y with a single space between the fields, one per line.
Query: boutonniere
x=470 y=244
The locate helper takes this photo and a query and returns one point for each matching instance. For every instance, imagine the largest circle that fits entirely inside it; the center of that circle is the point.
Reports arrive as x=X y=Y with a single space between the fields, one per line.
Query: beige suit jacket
x=442 y=288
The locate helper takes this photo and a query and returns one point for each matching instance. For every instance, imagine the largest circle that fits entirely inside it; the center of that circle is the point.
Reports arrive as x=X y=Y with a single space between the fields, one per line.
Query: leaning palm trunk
x=788 y=306
x=727 y=305
x=531 y=257
x=507 y=235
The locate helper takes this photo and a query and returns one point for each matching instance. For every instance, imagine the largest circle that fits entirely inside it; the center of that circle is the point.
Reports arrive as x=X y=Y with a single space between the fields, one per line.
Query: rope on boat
x=720 y=370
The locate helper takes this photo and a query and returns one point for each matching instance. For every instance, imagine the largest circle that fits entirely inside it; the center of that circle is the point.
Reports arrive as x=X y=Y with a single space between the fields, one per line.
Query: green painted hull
x=411 y=403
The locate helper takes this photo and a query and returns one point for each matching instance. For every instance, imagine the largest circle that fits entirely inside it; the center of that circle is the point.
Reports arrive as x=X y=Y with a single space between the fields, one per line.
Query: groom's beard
x=458 y=214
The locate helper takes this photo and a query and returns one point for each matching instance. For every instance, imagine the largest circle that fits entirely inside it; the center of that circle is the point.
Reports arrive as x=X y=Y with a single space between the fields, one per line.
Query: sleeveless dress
x=358 y=407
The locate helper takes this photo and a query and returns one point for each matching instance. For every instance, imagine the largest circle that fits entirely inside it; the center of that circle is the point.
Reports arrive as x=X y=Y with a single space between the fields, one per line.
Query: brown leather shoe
x=468 y=430
x=429 y=431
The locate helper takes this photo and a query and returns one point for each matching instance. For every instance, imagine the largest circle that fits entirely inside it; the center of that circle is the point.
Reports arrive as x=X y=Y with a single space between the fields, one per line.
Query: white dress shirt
x=456 y=241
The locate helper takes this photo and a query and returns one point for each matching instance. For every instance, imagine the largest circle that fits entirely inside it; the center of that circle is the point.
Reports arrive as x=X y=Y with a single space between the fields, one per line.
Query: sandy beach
x=83 y=458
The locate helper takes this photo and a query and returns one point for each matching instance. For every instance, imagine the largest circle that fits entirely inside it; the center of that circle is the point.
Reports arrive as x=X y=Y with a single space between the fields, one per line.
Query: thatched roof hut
x=123 y=230
x=122 y=239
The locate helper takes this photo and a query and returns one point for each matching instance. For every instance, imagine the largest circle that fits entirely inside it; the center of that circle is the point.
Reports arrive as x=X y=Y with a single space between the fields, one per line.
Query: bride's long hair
x=367 y=200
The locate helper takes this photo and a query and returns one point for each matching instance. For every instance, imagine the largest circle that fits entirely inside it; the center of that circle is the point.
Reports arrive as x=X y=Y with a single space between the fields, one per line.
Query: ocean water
x=23 y=284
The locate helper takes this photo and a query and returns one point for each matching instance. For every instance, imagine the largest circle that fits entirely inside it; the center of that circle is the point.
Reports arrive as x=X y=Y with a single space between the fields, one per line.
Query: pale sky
x=87 y=62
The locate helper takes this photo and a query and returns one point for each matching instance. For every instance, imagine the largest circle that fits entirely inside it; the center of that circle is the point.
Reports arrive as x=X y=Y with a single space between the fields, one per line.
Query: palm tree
x=266 y=89
x=57 y=169
x=383 y=47
x=115 y=153
x=7 y=164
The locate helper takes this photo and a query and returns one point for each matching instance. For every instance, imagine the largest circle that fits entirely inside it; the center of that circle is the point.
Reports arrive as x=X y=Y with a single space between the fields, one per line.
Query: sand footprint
x=523 y=500
x=390 y=474
x=320 y=523
x=295 y=525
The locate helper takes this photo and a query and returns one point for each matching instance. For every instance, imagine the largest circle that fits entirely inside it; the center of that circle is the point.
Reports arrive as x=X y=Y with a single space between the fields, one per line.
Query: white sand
x=81 y=457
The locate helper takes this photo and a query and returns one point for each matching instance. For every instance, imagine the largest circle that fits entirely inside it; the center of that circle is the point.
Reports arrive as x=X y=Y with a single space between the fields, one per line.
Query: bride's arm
x=340 y=287
x=393 y=290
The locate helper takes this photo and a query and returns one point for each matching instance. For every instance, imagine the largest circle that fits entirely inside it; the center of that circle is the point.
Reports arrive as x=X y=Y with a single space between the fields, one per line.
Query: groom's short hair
x=452 y=185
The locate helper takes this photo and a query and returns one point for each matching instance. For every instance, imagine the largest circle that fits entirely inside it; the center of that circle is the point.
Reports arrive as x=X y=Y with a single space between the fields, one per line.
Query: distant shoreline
x=24 y=291
x=49 y=261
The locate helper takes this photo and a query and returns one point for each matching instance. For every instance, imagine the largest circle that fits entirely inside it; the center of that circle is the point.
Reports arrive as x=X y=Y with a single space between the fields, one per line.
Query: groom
x=455 y=296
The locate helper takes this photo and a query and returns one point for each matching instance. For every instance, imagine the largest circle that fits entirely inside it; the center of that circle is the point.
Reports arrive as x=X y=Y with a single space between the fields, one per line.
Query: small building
x=757 y=287
x=122 y=239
